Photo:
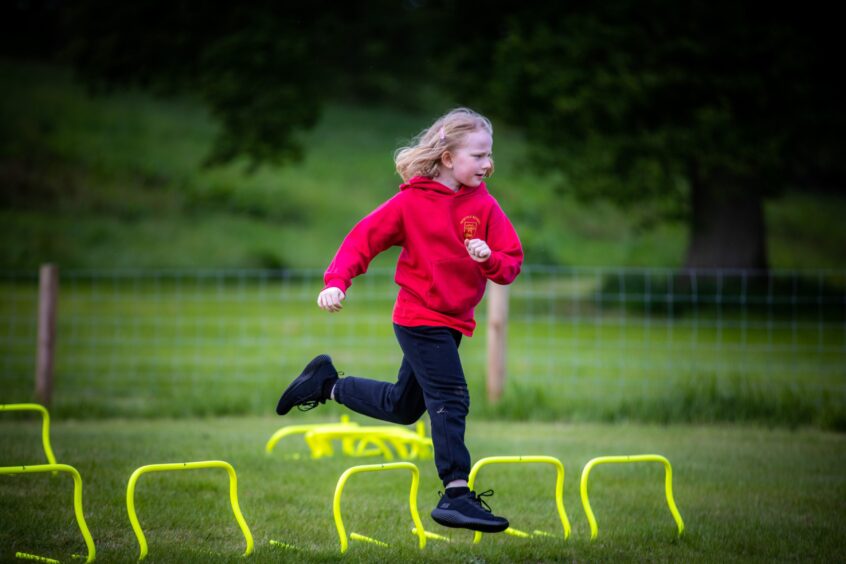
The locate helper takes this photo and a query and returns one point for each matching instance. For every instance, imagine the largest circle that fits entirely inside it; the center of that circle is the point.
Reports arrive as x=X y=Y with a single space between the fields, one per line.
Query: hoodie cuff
x=491 y=266
x=337 y=283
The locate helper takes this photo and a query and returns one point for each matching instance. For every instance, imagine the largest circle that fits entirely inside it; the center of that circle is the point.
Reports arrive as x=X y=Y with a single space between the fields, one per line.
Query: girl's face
x=470 y=163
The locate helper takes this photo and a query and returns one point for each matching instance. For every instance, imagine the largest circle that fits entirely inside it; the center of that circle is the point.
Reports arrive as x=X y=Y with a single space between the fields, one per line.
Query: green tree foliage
x=263 y=68
x=695 y=109
x=702 y=108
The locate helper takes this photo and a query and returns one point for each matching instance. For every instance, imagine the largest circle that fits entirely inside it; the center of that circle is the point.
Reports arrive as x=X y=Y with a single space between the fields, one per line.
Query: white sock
x=457 y=484
x=332 y=392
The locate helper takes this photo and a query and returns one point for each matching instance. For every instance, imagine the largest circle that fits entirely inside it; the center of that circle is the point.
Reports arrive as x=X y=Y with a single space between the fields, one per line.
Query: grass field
x=115 y=182
x=141 y=345
x=747 y=494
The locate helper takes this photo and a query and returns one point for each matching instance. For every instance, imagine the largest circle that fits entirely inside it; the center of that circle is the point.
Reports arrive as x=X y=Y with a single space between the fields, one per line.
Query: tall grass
x=195 y=344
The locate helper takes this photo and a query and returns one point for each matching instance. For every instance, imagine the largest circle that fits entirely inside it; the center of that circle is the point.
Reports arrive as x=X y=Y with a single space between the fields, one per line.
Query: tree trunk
x=727 y=227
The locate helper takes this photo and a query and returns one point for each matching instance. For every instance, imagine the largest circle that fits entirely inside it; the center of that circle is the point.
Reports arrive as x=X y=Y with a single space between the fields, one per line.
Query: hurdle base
x=35 y=558
x=431 y=535
x=362 y=538
x=284 y=545
x=517 y=533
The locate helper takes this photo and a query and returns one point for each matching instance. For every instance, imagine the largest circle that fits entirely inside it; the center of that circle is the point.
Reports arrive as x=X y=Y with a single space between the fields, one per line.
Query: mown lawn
x=746 y=493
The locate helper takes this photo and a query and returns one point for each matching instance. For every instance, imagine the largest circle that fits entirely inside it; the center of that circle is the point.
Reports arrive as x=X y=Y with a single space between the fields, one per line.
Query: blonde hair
x=423 y=156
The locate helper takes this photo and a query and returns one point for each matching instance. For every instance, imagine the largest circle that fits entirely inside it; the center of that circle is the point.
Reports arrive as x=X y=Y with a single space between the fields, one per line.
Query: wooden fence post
x=48 y=295
x=497 y=326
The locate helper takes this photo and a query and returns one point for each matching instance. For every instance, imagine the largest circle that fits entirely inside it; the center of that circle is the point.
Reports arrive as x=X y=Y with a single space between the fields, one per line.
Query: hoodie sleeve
x=506 y=258
x=379 y=230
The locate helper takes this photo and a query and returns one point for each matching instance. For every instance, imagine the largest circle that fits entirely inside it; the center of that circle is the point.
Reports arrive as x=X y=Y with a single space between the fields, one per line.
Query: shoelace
x=478 y=498
x=311 y=404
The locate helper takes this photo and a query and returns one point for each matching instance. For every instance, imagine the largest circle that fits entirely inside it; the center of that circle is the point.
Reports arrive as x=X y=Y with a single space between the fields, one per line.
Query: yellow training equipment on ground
x=359 y=441
x=407 y=444
x=289 y=430
x=45 y=424
x=668 y=485
x=559 y=489
x=233 y=497
x=412 y=501
x=77 y=501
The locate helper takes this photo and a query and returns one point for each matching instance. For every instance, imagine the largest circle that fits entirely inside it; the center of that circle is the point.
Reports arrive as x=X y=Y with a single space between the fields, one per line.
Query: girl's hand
x=330 y=300
x=478 y=249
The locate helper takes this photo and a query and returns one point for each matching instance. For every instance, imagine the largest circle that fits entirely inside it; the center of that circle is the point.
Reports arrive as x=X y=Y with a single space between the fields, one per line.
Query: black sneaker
x=311 y=387
x=468 y=511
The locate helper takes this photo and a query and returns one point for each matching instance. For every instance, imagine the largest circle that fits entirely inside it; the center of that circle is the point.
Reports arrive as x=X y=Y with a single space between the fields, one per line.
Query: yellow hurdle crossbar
x=559 y=489
x=233 y=497
x=668 y=485
x=77 y=501
x=45 y=424
x=412 y=501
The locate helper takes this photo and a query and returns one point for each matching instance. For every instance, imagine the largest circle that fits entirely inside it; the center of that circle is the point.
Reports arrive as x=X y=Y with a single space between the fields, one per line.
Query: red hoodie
x=439 y=283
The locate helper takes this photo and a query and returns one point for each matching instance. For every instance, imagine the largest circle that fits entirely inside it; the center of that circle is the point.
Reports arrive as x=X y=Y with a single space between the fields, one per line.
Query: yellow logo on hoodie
x=470 y=224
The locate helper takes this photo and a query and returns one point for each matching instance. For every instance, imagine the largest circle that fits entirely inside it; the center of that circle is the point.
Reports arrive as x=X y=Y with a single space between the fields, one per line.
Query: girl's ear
x=446 y=159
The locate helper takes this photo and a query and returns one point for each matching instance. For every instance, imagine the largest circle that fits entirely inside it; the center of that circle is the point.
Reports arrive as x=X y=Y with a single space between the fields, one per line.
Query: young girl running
x=454 y=237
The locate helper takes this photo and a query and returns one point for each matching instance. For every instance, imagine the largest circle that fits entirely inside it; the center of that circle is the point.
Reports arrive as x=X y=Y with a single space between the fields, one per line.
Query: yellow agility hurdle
x=412 y=502
x=233 y=497
x=407 y=444
x=559 y=489
x=368 y=445
x=668 y=485
x=289 y=430
x=77 y=503
x=45 y=424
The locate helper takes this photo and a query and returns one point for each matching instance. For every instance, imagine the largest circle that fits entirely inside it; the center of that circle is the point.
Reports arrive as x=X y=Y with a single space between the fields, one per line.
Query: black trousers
x=430 y=379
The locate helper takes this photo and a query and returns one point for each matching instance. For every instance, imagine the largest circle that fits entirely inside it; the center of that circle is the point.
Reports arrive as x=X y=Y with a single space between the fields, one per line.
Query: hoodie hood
x=431 y=185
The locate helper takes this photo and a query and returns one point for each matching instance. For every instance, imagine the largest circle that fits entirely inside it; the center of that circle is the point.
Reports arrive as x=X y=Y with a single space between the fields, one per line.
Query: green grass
x=746 y=494
x=116 y=181
x=146 y=346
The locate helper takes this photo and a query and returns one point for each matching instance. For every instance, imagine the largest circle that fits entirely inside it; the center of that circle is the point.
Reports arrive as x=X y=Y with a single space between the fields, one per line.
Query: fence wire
x=580 y=340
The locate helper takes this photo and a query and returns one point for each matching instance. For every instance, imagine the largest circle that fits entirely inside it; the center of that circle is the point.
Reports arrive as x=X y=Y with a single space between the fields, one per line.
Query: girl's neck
x=448 y=181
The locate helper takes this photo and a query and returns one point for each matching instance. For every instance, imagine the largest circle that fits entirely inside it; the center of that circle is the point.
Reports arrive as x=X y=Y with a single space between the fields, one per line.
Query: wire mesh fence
x=582 y=342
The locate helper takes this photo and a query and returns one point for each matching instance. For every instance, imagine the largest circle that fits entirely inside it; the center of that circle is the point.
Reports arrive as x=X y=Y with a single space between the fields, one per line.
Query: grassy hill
x=117 y=181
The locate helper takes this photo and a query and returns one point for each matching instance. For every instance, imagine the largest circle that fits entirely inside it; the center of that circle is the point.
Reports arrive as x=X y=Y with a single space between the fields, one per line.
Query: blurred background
x=675 y=172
